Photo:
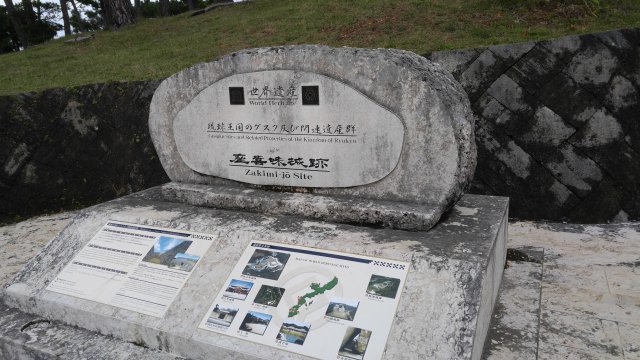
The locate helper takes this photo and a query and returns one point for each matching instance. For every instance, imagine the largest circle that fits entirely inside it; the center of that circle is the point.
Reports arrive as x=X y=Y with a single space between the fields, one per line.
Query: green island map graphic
x=317 y=290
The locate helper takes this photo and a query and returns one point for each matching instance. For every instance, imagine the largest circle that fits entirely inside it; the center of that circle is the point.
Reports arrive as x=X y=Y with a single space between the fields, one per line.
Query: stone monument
x=364 y=130
x=316 y=210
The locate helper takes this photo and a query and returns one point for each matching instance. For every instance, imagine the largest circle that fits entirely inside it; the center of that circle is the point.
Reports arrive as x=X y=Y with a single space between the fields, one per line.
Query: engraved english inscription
x=345 y=139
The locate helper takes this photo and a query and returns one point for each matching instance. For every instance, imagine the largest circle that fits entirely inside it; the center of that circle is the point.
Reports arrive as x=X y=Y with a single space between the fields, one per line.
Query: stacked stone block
x=558 y=128
x=67 y=148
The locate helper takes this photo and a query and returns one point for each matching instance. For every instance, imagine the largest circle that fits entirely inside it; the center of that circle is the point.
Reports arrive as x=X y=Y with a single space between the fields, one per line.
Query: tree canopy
x=24 y=23
x=27 y=23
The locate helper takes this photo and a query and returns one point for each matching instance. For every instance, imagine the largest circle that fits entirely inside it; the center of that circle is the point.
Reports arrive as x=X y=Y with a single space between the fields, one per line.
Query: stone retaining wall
x=69 y=148
x=558 y=131
x=558 y=128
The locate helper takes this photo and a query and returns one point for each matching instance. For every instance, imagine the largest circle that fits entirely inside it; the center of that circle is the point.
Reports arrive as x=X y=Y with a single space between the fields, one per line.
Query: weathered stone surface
x=577 y=171
x=592 y=66
x=67 y=148
x=18 y=251
x=578 y=110
x=621 y=95
x=438 y=152
x=27 y=337
x=514 y=325
x=481 y=73
x=510 y=53
x=577 y=299
x=274 y=136
x=460 y=62
x=570 y=104
x=512 y=96
x=461 y=260
x=596 y=337
x=509 y=166
x=405 y=216
x=535 y=68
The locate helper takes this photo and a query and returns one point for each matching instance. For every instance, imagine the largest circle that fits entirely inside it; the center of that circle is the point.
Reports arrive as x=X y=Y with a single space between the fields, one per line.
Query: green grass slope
x=155 y=48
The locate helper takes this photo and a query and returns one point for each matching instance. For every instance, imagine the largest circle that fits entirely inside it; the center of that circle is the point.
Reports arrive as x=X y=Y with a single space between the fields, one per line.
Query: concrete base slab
x=514 y=328
x=444 y=310
x=26 y=336
x=22 y=241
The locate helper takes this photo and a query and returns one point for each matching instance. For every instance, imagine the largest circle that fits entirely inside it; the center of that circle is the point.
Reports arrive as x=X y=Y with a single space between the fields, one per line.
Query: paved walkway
x=569 y=291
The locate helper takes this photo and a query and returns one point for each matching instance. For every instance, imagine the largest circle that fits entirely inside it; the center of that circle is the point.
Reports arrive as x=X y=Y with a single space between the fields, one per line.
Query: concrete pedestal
x=444 y=311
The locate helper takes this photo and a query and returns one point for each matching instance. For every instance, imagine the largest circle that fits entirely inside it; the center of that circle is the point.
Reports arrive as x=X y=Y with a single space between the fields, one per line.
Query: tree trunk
x=18 y=26
x=28 y=9
x=65 y=17
x=78 y=18
x=164 y=7
x=138 y=8
x=73 y=5
x=191 y=4
x=117 y=13
x=75 y=8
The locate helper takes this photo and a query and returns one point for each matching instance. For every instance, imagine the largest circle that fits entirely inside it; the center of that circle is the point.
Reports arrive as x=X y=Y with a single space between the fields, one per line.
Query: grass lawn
x=156 y=48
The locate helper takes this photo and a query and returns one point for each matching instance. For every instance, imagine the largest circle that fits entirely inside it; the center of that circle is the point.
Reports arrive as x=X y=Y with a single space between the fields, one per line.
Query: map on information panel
x=315 y=302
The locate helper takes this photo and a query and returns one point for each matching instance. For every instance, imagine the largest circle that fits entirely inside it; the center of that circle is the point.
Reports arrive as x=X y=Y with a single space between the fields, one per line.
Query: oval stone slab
x=288 y=128
x=411 y=120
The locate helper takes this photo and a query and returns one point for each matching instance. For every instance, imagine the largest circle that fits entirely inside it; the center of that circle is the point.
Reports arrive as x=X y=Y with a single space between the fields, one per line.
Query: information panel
x=135 y=267
x=319 y=303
